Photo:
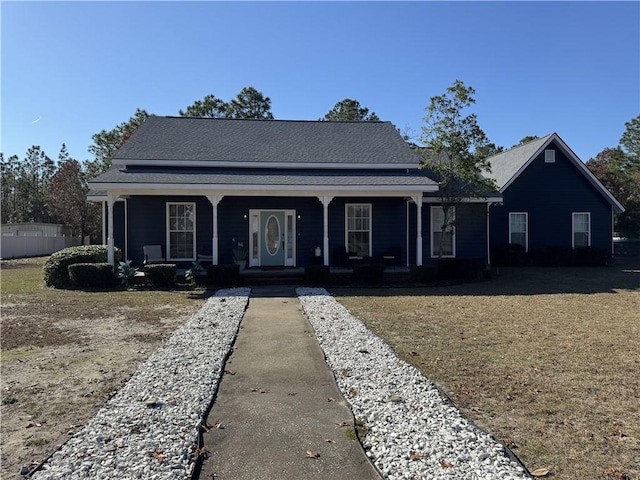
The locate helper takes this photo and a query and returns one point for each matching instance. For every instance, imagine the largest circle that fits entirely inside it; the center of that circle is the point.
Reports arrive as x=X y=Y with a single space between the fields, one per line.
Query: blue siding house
x=550 y=200
x=290 y=193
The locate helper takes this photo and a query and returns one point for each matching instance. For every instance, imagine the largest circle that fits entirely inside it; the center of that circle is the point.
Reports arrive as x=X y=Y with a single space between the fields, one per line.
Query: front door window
x=272 y=235
x=272 y=238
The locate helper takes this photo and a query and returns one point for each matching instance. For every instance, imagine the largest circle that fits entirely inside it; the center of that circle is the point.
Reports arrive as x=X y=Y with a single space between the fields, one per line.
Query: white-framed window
x=549 y=156
x=581 y=229
x=181 y=231
x=358 y=229
x=519 y=229
x=443 y=243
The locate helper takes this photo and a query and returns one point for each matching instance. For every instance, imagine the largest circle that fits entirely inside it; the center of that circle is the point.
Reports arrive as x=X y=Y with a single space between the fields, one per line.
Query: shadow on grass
x=623 y=275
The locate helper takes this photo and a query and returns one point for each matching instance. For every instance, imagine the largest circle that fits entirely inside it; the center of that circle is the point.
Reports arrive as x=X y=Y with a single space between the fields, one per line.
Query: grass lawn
x=547 y=360
x=64 y=352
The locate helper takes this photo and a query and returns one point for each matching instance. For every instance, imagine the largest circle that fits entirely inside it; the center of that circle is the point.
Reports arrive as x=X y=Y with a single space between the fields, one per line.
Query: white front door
x=272 y=238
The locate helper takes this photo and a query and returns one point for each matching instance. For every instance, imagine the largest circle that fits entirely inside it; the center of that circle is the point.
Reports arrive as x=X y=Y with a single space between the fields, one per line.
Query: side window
x=581 y=229
x=519 y=229
x=358 y=229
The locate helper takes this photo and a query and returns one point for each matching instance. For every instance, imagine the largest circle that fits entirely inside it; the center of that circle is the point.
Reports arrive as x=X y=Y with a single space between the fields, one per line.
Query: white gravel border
x=149 y=429
x=413 y=431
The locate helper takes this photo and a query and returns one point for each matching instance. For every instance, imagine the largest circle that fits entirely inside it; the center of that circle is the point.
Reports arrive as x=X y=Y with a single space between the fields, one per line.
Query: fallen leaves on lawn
x=445 y=464
x=614 y=472
x=540 y=472
x=197 y=452
x=158 y=455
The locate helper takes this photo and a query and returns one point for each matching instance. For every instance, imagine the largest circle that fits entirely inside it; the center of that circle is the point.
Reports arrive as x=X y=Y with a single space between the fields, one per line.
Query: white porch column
x=111 y=199
x=418 y=200
x=214 y=199
x=104 y=223
x=326 y=200
x=488 y=235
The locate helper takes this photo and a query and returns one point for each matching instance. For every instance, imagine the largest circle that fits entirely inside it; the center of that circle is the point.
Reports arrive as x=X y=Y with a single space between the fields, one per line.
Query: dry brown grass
x=64 y=352
x=547 y=360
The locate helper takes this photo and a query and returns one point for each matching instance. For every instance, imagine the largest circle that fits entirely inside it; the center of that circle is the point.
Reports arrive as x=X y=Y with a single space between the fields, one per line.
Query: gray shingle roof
x=159 y=176
x=233 y=141
x=505 y=165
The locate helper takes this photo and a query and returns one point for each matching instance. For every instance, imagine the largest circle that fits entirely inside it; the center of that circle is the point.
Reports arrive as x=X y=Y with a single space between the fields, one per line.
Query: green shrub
x=368 y=274
x=423 y=273
x=126 y=272
x=195 y=274
x=56 y=268
x=510 y=255
x=92 y=275
x=160 y=274
x=465 y=269
x=552 y=256
x=590 y=257
x=224 y=275
x=317 y=275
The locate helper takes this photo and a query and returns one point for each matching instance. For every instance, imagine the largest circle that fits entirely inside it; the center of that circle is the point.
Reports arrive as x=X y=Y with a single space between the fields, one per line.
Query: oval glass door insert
x=272 y=235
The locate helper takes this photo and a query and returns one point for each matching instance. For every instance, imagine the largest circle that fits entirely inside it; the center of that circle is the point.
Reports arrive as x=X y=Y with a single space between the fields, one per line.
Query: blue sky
x=71 y=69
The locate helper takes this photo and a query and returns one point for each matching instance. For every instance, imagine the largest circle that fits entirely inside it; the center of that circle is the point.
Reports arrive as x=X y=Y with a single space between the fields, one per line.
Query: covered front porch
x=262 y=232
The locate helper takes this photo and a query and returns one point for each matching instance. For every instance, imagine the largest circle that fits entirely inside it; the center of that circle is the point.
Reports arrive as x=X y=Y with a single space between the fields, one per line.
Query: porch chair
x=152 y=254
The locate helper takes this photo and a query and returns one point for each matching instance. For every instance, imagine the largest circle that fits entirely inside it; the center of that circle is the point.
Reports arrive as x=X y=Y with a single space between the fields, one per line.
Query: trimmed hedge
x=224 y=275
x=92 y=275
x=465 y=269
x=423 y=273
x=56 y=268
x=590 y=257
x=317 y=275
x=509 y=255
x=160 y=274
x=368 y=273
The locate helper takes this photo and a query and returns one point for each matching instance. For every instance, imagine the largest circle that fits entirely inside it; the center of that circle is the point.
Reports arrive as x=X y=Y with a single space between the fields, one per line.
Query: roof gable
x=506 y=167
x=215 y=142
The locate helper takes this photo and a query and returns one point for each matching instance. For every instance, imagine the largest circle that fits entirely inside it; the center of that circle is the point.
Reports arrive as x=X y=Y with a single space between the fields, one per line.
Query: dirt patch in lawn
x=547 y=360
x=65 y=352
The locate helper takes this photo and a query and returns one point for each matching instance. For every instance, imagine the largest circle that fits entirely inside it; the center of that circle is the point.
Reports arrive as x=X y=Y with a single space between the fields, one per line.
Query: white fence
x=20 y=247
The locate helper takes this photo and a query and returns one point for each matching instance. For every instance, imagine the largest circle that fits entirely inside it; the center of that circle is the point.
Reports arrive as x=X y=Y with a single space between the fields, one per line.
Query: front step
x=266 y=276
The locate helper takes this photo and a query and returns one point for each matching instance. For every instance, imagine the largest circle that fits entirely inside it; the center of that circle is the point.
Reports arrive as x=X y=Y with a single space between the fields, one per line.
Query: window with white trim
x=519 y=229
x=443 y=240
x=358 y=229
x=181 y=231
x=581 y=229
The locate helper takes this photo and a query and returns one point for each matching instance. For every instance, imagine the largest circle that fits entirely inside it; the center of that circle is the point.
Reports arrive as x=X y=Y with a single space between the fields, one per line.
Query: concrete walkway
x=278 y=400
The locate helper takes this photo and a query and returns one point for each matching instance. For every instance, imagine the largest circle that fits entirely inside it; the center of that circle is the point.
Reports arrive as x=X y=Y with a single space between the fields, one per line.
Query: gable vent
x=550 y=156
